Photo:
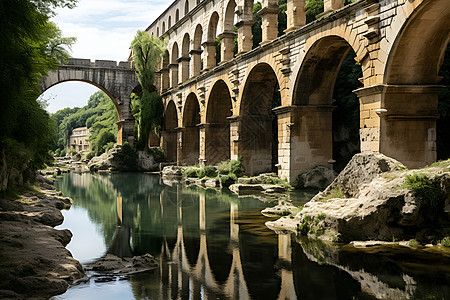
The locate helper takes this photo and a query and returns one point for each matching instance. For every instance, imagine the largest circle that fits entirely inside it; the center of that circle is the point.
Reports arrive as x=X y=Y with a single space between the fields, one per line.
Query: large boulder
x=110 y=160
x=114 y=265
x=123 y=159
x=361 y=169
x=146 y=162
x=251 y=189
x=370 y=201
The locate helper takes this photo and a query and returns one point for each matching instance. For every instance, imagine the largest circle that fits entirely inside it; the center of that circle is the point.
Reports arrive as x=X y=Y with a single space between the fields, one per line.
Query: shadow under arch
x=169 y=134
x=258 y=129
x=196 y=59
x=190 y=148
x=217 y=127
x=411 y=86
x=313 y=105
x=116 y=80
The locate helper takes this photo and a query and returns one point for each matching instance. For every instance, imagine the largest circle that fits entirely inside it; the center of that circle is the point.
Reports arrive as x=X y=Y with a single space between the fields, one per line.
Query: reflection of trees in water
x=98 y=194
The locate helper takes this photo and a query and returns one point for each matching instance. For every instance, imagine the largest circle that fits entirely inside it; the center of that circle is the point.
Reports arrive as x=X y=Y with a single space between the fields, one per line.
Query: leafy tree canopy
x=99 y=115
x=147 y=53
x=30 y=46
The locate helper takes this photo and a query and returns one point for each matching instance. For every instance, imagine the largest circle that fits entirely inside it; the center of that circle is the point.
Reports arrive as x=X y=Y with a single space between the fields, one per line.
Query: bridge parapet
x=82 y=62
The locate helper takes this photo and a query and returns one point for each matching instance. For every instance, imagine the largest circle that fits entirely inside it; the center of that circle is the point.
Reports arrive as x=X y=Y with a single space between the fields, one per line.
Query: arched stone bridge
x=117 y=80
x=216 y=111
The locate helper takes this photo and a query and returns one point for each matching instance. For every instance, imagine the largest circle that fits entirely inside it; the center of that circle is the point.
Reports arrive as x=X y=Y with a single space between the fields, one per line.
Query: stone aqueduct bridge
x=118 y=80
x=224 y=111
x=218 y=111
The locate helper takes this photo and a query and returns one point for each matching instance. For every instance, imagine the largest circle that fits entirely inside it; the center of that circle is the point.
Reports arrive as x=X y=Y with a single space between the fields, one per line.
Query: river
x=214 y=245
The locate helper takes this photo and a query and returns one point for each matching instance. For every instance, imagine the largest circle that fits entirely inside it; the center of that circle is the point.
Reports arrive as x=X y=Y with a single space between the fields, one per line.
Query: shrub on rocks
x=227 y=180
x=210 y=171
x=231 y=166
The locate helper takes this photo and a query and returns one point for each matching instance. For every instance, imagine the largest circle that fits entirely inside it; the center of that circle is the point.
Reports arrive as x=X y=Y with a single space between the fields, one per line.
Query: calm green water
x=213 y=245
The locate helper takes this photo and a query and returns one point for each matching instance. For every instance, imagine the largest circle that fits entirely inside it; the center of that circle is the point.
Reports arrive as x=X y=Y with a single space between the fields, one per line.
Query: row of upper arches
x=197 y=48
x=166 y=21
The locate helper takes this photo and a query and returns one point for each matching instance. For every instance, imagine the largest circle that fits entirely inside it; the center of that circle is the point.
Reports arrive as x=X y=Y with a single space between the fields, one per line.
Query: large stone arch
x=164 y=71
x=190 y=146
x=228 y=34
x=215 y=133
x=173 y=66
x=196 y=52
x=257 y=143
x=117 y=81
x=308 y=122
x=169 y=134
x=102 y=88
x=184 y=59
x=408 y=98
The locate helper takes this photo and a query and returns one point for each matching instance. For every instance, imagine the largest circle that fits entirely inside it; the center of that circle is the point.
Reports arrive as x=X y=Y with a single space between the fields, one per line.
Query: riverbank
x=34 y=262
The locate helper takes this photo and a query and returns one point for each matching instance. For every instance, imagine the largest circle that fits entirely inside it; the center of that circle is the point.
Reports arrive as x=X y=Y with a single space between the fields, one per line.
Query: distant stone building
x=78 y=141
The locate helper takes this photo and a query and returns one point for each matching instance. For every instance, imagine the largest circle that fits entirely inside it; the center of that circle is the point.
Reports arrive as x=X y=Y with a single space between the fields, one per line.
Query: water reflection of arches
x=304 y=268
x=192 y=263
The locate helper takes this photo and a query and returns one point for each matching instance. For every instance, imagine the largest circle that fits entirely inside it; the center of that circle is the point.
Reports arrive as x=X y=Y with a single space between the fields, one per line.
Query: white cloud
x=104 y=30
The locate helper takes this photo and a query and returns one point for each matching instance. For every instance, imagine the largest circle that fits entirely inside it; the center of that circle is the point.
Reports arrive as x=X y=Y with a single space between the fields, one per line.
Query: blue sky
x=104 y=30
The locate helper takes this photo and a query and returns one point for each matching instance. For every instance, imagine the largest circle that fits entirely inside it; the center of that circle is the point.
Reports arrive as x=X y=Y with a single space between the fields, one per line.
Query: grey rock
x=172 y=171
x=213 y=183
x=113 y=161
x=282 y=209
x=361 y=169
x=318 y=177
x=379 y=207
x=146 y=162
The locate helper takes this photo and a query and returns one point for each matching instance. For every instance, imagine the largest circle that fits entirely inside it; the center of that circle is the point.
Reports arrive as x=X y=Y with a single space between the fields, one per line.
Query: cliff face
x=376 y=198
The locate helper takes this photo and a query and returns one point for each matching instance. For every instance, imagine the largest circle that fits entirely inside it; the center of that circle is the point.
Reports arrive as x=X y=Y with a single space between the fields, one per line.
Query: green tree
x=313 y=8
x=30 y=46
x=256 y=27
x=99 y=115
x=282 y=17
x=147 y=53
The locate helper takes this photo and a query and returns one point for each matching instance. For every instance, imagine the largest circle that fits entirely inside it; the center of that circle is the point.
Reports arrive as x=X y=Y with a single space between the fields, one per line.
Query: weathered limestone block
x=250 y=189
x=172 y=171
x=369 y=201
x=361 y=169
x=318 y=177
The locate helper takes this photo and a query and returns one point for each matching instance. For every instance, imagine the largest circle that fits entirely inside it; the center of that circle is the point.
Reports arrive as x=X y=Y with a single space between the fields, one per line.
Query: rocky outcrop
x=146 y=161
x=361 y=170
x=114 y=265
x=35 y=262
x=251 y=189
x=172 y=171
x=123 y=159
x=379 y=260
x=316 y=178
x=283 y=208
x=369 y=201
